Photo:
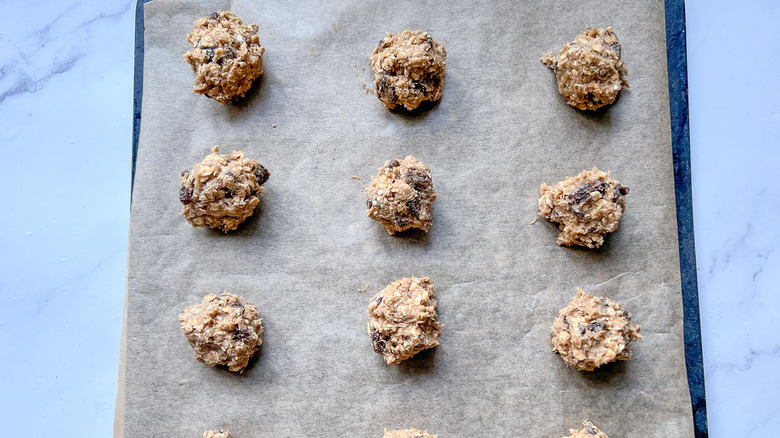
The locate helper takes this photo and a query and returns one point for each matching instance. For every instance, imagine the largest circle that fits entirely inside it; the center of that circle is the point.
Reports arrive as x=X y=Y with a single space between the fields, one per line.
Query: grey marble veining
x=66 y=71
x=734 y=86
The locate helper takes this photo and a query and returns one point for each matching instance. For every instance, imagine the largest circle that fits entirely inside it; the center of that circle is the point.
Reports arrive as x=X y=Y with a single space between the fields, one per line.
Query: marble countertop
x=66 y=93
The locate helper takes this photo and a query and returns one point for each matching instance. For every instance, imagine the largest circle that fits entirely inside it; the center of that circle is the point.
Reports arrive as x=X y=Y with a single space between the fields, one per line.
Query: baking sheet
x=500 y=129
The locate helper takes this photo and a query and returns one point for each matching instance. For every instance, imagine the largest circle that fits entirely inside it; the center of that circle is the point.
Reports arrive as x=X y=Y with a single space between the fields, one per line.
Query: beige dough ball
x=408 y=69
x=222 y=191
x=589 y=431
x=403 y=320
x=401 y=194
x=226 y=56
x=589 y=70
x=593 y=331
x=223 y=330
x=408 y=433
x=585 y=207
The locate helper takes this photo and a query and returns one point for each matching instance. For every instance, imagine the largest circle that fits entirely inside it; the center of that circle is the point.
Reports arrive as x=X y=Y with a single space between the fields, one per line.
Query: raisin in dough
x=215 y=434
x=589 y=70
x=401 y=194
x=408 y=433
x=593 y=331
x=585 y=207
x=589 y=431
x=408 y=69
x=226 y=56
x=223 y=330
x=222 y=191
x=403 y=319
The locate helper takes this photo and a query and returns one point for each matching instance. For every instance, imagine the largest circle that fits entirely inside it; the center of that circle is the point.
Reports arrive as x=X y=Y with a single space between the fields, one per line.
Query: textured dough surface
x=593 y=331
x=401 y=194
x=585 y=207
x=590 y=71
x=403 y=320
x=223 y=330
x=226 y=56
x=215 y=434
x=408 y=433
x=589 y=431
x=222 y=191
x=408 y=69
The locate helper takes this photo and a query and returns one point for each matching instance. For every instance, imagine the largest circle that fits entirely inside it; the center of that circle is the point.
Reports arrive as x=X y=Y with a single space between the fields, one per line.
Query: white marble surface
x=66 y=90
x=734 y=79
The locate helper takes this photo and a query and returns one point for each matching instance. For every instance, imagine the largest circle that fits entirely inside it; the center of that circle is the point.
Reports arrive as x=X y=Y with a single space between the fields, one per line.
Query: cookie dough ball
x=222 y=191
x=593 y=331
x=223 y=330
x=589 y=70
x=215 y=434
x=585 y=207
x=401 y=194
x=408 y=433
x=408 y=69
x=226 y=56
x=404 y=320
x=589 y=431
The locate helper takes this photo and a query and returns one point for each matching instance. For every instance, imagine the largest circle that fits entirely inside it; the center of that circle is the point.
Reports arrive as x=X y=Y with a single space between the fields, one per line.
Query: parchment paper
x=499 y=131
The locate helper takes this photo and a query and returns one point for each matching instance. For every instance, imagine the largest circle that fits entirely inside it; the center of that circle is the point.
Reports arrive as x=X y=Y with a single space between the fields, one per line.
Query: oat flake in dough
x=404 y=319
x=589 y=431
x=226 y=56
x=223 y=330
x=222 y=191
x=593 y=331
x=590 y=71
x=585 y=207
x=401 y=194
x=408 y=69
x=408 y=433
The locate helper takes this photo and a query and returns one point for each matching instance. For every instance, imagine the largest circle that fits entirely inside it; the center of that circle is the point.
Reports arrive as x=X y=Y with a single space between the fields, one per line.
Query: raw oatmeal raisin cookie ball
x=222 y=191
x=226 y=56
x=223 y=330
x=593 y=331
x=589 y=431
x=589 y=70
x=585 y=207
x=408 y=69
x=401 y=194
x=215 y=434
x=408 y=433
x=403 y=320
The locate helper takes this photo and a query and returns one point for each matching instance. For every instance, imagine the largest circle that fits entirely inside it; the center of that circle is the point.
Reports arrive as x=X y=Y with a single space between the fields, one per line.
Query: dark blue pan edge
x=677 y=65
x=138 y=81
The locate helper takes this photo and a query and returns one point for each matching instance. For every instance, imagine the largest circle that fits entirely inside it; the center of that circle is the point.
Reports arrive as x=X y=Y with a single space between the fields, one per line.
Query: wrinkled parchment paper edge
x=678 y=95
